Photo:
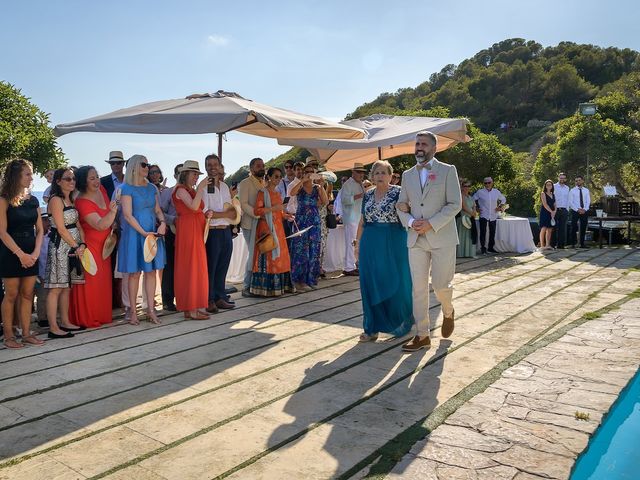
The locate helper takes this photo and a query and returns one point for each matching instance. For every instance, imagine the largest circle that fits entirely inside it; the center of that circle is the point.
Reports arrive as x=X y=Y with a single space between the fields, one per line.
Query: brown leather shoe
x=212 y=308
x=447 y=325
x=221 y=304
x=416 y=344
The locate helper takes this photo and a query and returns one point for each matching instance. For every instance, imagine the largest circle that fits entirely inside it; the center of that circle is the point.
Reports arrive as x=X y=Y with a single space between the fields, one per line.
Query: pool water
x=614 y=451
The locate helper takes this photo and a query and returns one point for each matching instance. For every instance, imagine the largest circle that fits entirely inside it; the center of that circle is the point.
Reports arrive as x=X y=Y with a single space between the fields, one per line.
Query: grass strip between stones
x=337 y=372
x=435 y=305
x=123 y=422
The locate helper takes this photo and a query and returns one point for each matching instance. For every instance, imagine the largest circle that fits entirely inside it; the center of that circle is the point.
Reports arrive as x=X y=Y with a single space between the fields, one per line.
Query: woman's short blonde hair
x=131 y=176
x=380 y=163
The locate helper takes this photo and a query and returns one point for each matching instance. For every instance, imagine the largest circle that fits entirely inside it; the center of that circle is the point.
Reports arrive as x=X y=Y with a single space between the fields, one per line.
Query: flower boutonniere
x=432 y=176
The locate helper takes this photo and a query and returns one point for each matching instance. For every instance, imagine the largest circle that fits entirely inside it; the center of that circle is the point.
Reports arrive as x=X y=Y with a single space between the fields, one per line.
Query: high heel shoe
x=153 y=318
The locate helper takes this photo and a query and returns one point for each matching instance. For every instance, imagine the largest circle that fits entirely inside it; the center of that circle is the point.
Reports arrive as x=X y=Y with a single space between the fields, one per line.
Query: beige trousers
x=441 y=264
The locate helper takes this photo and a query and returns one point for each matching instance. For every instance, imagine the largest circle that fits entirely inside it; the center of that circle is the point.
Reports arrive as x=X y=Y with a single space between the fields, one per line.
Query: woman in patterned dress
x=66 y=246
x=383 y=259
x=305 y=268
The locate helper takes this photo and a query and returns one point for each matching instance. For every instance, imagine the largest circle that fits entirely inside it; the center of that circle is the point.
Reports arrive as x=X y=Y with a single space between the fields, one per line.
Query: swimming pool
x=614 y=451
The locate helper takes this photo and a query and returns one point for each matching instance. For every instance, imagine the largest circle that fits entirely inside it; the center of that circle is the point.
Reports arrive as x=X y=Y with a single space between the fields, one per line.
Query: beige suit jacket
x=248 y=192
x=438 y=202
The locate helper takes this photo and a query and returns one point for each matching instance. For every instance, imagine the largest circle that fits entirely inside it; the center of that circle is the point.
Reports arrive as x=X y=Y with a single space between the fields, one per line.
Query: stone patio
x=281 y=389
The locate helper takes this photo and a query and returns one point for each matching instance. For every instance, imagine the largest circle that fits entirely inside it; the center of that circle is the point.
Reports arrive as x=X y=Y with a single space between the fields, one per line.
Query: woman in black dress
x=547 y=214
x=21 y=235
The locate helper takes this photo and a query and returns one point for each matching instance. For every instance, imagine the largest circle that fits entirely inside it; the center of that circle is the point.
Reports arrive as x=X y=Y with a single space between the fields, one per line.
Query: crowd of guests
x=102 y=237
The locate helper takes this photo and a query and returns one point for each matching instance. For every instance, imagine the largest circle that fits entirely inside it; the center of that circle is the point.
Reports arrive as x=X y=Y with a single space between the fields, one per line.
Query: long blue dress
x=305 y=249
x=131 y=246
x=385 y=278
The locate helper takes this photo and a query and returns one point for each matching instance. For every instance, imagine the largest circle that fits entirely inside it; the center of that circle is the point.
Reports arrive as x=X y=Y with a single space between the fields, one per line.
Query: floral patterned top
x=383 y=211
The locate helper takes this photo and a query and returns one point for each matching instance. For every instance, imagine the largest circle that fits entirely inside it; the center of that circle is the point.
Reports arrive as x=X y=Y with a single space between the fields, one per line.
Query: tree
x=25 y=131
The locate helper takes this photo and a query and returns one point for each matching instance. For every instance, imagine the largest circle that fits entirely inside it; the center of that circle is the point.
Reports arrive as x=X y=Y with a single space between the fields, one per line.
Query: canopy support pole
x=220 y=146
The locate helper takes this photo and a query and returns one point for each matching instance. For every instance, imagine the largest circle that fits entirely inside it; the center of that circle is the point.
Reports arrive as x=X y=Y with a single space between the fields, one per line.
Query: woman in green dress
x=466 y=248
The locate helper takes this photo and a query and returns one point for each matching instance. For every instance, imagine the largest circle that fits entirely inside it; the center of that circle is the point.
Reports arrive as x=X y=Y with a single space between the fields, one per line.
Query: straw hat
x=109 y=245
x=150 y=247
x=235 y=203
x=358 y=167
x=115 y=156
x=190 y=166
x=311 y=161
x=88 y=262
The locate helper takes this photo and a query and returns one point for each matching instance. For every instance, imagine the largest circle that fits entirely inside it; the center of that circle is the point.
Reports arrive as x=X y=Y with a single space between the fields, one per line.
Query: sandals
x=11 y=342
x=153 y=318
x=198 y=316
x=31 y=339
x=364 y=338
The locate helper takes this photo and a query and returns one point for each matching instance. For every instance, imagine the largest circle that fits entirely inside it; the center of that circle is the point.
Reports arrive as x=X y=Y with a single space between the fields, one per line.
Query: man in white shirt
x=219 y=242
x=561 y=191
x=487 y=200
x=351 y=195
x=579 y=203
x=289 y=176
x=169 y=209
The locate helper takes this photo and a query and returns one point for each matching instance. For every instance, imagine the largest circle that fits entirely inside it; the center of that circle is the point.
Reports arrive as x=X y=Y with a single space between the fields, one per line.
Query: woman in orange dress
x=90 y=303
x=191 y=283
x=271 y=271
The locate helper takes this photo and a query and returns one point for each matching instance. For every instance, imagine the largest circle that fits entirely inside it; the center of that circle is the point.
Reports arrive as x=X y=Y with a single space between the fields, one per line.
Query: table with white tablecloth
x=513 y=234
x=333 y=257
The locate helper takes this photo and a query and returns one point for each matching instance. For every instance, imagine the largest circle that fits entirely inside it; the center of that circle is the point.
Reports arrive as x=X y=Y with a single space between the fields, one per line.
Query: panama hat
x=88 y=262
x=109 y=245
x=115 y=156
x=466 y=221
x=150 y=247
x=190 y=166
x=358 y=167
x=235 y=203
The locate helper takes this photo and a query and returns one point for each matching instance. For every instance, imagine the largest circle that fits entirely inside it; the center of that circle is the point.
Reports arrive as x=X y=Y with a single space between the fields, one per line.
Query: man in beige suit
x=248 y=192
x=432 y=191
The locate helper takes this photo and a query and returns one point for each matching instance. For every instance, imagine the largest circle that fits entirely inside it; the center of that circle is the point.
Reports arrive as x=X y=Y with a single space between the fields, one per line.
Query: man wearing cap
x=489 y=200
x=169 y=209
x=432 y=191
x=248 y=192
x=219 y=242
x=116 y=179
x=351 y=195
x=111 y=183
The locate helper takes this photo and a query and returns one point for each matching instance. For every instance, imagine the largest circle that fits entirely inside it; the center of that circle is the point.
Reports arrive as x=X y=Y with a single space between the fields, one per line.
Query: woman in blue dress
x=547 y=214
x=142 y=217
x=383 y=260
x=305 y=249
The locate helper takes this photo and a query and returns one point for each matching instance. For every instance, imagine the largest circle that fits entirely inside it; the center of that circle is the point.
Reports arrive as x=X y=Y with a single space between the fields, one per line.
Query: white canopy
x=387 y=136
x=218 y=112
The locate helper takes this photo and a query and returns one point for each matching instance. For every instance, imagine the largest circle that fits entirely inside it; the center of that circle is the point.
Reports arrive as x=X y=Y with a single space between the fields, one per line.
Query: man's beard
x=259 y=174
x=421 y=156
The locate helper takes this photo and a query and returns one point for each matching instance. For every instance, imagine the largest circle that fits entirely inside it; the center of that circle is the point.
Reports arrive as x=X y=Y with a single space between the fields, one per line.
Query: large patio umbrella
x=387 y=136
x=219 y=113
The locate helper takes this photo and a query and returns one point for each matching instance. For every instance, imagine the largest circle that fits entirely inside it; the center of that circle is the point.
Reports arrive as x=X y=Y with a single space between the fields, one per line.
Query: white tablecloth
x=334 y=254
x=239 y=257
x=513 y=234
x=333 y=257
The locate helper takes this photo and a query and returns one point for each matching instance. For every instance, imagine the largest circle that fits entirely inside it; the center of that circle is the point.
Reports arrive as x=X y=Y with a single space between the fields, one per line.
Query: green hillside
x=536 y=91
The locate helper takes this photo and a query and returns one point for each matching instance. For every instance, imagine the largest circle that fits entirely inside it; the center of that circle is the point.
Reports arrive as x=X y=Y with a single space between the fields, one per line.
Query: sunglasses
x=119 y=162
x=288 y=167
x=488 y=183
x=68 y=179
x=144 y=165
x=397 y=177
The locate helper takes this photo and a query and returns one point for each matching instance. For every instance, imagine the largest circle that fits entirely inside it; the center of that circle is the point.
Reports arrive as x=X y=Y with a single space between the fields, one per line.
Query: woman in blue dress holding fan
x=383 y=260
x=143 y=219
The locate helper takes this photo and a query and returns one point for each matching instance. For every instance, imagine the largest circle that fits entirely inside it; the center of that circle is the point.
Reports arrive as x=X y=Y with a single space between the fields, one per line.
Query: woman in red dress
x=272 y=270
x=90 y=303
x=191 y=284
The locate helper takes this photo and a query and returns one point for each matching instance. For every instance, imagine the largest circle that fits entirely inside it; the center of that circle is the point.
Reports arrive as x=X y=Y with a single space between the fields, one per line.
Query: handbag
x=331 y=221
x=266 y=243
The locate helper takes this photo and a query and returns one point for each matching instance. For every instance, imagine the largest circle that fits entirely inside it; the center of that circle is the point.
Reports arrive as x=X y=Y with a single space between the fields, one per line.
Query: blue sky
x=77 y=59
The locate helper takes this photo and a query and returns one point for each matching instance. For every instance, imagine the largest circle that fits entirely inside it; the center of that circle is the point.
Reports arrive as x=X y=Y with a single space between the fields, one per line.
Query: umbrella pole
x=220 y=146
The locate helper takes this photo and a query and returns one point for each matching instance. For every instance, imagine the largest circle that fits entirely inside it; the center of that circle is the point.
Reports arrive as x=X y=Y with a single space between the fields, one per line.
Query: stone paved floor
x=524 y=426
x=279 y=388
